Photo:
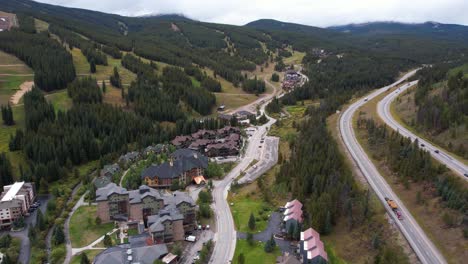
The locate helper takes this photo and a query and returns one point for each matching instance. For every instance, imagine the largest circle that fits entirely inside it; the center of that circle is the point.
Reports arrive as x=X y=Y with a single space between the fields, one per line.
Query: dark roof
x=185 y=160
x=103 y=193
x=143 y=255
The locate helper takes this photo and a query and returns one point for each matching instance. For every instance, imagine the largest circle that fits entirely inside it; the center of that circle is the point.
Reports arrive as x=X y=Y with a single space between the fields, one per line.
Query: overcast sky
x=310 y=12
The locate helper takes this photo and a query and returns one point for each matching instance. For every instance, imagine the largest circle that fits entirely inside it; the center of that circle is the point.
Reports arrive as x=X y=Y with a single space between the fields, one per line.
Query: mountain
x=271 y=24
x=437 y=30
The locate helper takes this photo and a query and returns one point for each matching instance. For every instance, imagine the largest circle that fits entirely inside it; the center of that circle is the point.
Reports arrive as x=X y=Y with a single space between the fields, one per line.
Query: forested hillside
x=438 y=106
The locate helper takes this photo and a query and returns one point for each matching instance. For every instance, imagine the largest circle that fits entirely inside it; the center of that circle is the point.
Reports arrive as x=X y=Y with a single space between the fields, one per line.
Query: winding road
x=383 y=109
x=225 y=236
x=423 y=247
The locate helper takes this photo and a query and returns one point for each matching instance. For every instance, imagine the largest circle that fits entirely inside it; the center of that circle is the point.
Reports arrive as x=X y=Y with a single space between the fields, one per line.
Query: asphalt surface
x=383 y=109
x=25 y=251
x=274 y=227
x=423 y=247
x=269 y=157
x=225 y=236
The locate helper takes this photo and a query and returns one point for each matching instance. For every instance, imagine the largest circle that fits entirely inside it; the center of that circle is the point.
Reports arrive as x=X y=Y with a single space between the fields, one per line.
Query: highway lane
x=383 y=109
x=423 y=247
x=225 y=236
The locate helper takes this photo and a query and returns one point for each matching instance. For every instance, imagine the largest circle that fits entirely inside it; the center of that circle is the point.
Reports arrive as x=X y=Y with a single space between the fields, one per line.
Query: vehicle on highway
x=365 y=100
x=466 y=174
x=436 y=151
x=260 y=146
x=394 y=208
x=422 y=145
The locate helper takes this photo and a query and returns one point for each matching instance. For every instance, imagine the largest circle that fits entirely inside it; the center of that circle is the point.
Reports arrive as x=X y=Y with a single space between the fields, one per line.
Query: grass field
x=102 y=72
x=243 y=204
x=41 y=25
x=60 y=100
x=296 y=58
x=89 y=253
x=83 y=228
x=9 y=84
x=255 y=253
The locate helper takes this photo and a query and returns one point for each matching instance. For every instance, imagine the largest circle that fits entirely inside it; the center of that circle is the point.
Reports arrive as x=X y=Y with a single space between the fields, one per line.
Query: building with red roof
x=312 y=249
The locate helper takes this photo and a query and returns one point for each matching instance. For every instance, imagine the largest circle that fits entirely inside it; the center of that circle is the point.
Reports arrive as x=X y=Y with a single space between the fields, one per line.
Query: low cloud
x=309 y=12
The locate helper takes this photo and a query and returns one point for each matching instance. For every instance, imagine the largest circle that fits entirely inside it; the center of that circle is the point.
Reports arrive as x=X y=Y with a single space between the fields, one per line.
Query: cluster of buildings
x=225 y=141
x=312 y=250
x=160 y=217
x=291 y=80
x=7 y=21
x=15 y=202
x=185 y=166
x=165 y=216
x=242 y=117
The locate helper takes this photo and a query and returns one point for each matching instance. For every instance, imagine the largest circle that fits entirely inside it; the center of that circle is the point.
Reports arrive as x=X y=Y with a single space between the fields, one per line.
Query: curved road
x=425 y=250
x=225 y=236
x=383 y=109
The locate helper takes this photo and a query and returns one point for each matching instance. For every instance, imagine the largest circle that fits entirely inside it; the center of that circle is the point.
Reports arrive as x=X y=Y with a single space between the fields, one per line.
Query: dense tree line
x=211 y=84
x=411 y=163
x=447 y=108
x=137 y=66
x=6 y=175
x=112 y=51
x=26 y=23
x=7 y=115
x=84 y=133
x=179 y=85
x=52 y=64
x=151 y=102
x=316 y=173
x=84 y=90
x=253 y=86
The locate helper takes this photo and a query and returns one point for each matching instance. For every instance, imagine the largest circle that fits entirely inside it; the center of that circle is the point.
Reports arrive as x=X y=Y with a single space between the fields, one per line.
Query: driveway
x=25 y=251
x=274 y=227
x=192 y=248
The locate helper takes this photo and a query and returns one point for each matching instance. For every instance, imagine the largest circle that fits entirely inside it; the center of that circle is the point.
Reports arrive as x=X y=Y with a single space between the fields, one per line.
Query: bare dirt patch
x=24 y=88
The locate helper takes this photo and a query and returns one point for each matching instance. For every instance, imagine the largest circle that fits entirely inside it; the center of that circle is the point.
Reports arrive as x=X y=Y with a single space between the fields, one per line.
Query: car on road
x=422 y=145
x=436 y=151
x=365 y=100
x=398 y=214
x=466 y=174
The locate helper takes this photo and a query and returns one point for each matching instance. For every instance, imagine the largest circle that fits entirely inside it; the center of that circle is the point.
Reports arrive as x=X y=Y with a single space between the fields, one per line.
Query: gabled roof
x=293 y=203
x=312 y=245
x=186 y=160
x=104 y=192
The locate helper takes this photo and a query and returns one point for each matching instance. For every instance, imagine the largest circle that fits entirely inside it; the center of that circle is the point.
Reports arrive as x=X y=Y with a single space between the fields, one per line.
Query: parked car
x=207 y=227
x=191 y=239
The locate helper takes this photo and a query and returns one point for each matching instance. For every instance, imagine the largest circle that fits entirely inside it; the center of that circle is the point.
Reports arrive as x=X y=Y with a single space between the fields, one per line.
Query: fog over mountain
x=316 y=13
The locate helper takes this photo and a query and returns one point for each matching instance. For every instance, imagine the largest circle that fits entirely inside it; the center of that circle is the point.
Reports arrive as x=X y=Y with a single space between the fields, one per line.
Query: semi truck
x=392 y=204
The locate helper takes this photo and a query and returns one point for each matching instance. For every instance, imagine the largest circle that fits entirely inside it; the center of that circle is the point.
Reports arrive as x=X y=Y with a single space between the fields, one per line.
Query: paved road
x=383 y=108
x=25 y=250
x=425 y=250
x=269 y=157
x=225 y=236
x=192 y=249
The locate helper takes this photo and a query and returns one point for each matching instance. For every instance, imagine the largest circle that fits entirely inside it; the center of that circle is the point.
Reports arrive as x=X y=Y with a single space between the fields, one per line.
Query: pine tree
x=241 y=258
x=84 y=259
x=104 y=87
x=92 y=66
x=59 y=236
x=107 y=241
x=252 y=223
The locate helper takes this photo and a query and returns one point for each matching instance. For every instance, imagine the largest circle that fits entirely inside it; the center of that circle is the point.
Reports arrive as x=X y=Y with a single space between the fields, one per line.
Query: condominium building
x=16 y=199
